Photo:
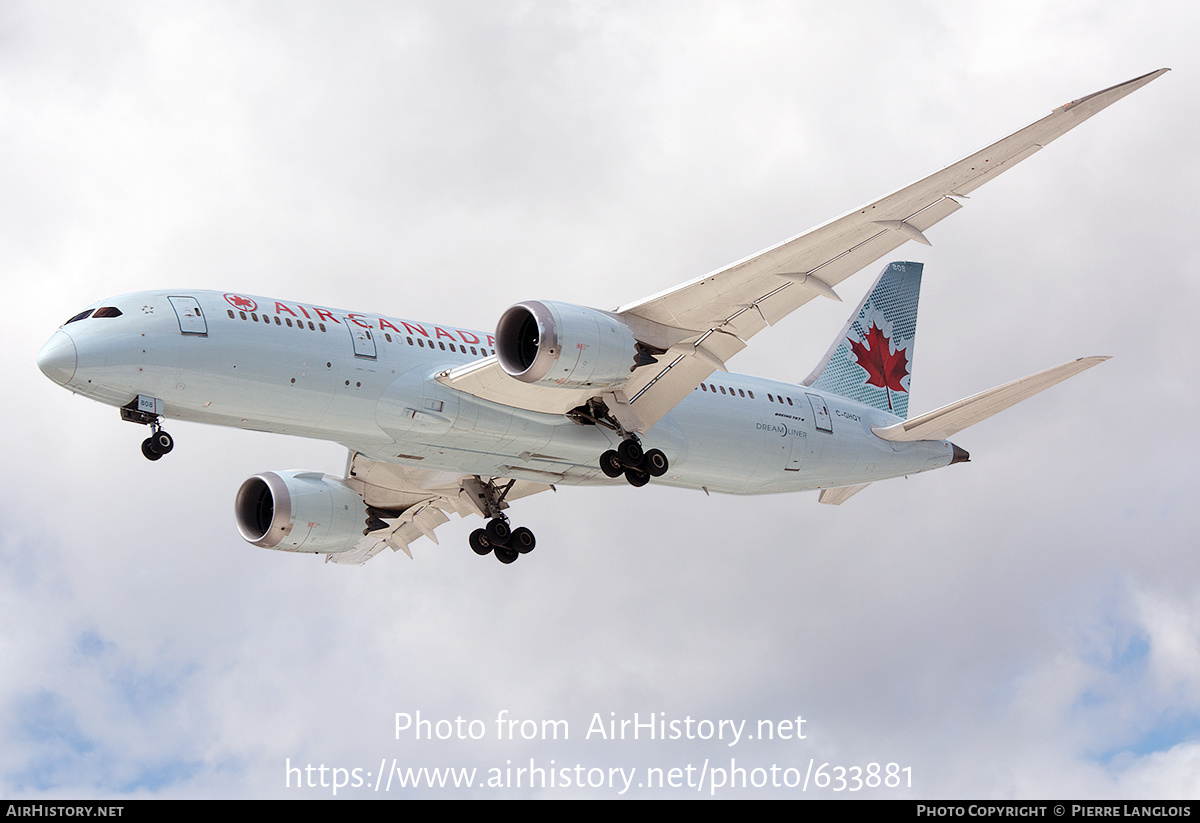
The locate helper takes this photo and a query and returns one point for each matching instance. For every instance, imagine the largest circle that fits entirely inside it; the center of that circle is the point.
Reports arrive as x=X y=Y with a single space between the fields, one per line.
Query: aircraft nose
x=57 y=358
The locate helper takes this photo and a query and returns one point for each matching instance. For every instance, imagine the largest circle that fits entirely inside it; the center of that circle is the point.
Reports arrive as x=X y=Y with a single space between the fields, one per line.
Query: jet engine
x=300 y=512
x=558 y=344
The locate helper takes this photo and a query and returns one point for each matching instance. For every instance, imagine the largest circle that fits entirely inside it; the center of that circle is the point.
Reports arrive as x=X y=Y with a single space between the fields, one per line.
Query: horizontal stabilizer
x=949 y=420
x=838 y=496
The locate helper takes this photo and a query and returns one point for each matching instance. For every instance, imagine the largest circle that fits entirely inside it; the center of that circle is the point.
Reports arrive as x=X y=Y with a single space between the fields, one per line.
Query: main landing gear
x=637 y=465
x=507 y=543
x=498 y=536
x=148 y=411
x=629 y=459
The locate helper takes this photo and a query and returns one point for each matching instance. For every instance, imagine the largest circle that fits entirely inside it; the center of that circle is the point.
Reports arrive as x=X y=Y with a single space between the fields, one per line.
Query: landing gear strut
x=147 y=411
x=498 y=536
x=628 y=458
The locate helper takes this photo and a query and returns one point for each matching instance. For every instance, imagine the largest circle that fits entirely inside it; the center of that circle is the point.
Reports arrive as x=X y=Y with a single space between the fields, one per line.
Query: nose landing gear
x=158 y=443
x=148 y=411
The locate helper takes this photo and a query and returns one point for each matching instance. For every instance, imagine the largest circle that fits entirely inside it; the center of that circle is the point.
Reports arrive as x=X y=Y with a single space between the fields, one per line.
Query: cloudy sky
x=1022 y=626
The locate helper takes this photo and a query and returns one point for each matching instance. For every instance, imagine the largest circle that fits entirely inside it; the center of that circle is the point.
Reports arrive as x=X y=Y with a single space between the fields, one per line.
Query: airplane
x=441 y=420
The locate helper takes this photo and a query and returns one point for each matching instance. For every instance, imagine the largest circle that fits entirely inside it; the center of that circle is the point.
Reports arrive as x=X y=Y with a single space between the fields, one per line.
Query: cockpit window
x=79 y=316
x=107 y=311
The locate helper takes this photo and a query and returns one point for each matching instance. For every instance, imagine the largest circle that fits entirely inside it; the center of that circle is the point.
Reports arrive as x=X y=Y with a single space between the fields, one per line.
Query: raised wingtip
x=1124 y=89
x=1144 y=78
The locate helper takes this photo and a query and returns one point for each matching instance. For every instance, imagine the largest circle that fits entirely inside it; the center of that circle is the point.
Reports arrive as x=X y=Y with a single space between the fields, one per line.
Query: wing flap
x=942 y=423
x=486 y=379
x=413 y=503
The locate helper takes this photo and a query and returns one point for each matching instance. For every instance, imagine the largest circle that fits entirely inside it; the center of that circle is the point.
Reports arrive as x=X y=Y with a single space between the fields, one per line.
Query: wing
x=701 y=324
x=409 y=503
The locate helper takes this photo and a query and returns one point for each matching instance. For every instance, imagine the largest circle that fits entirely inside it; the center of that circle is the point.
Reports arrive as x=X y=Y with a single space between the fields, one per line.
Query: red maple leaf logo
x=239 y=302
x=884 y=369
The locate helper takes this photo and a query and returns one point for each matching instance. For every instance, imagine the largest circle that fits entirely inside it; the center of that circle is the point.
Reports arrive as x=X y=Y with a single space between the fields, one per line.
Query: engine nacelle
x=300 y=512
x=558 y=344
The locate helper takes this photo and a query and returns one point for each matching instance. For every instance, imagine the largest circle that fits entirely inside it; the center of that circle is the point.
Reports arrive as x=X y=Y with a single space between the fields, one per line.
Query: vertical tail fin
x=871 y=360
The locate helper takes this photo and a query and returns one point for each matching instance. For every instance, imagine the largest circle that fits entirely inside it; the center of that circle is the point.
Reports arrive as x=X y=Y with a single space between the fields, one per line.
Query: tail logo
x=885 y=369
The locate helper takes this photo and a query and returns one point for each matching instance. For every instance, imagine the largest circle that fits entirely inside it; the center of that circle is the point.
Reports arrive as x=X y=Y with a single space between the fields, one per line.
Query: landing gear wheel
x=148 y=449
x=611 y=465
x=498 y=532
x=637 y=477
x=163 y=442
x=630 y=452
x=480 y=543
x=497 y=537
x=522 y=540
x=655 y=462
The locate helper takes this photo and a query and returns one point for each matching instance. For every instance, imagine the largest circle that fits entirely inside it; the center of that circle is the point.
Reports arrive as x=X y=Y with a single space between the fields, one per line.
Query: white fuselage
x=368 y=382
